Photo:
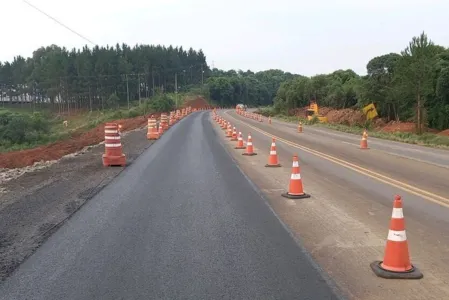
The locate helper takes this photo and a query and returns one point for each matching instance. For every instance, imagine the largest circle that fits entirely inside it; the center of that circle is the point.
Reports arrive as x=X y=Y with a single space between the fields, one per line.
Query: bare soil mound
x=197 y=102
x=77 y=141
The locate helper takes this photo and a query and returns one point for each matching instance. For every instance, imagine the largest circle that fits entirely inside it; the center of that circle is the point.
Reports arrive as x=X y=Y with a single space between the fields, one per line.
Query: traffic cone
x=240 y=142
x=364 y=141
x=113 y=154
x=295 y=189
x=229 y=131
x=152 y=133
x=164 y=121
x=273 y=158
x=300 y=127
x=234 y=135
x=161 y=129
x=396 y=263
x=249 y=147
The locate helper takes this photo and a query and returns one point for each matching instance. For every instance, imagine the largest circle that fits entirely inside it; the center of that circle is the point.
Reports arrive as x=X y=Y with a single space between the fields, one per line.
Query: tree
x=414 y=73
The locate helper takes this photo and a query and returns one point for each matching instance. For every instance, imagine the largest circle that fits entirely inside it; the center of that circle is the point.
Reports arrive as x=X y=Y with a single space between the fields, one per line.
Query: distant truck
x=241 y=107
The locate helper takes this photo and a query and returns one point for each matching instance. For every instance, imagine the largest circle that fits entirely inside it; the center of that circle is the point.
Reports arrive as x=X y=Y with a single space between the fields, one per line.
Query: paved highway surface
x=345 y=223
x=182 y=222
x=438 y=157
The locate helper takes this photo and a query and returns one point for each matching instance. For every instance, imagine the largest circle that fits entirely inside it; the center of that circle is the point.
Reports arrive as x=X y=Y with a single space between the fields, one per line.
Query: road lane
x=345 y=223
x=182 y=222
x=438 y=157
x=427 y=180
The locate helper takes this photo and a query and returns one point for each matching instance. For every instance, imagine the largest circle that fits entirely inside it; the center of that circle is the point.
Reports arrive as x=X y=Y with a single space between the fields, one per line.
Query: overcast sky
x=305 y=37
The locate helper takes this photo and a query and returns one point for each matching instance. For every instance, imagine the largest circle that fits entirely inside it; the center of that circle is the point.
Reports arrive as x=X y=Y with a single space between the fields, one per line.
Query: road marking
x=377 y=176
x=401 y=156
x=350 y=143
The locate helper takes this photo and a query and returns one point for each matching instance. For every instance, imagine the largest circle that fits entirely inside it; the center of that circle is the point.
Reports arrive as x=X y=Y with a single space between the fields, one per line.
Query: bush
x=22 y=129
x=161 y=103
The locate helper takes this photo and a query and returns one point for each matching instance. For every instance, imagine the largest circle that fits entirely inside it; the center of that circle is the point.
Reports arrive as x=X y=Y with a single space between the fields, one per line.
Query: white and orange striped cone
x=249 y=147
x=152 y=133
x=113 y=154
x=295 y=188
x=229 y=131
x=300 y=127
x=396 y=263
x=364 y=141
x=273 y=158
x=234 y=135
x=161 y=129
x=240 y=142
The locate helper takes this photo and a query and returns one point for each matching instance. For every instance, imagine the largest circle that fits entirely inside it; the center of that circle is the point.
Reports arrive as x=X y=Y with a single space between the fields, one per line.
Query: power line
x=60 y=23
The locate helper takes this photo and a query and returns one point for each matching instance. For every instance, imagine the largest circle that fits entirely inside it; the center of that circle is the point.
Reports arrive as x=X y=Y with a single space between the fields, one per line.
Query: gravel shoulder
x=36 y=203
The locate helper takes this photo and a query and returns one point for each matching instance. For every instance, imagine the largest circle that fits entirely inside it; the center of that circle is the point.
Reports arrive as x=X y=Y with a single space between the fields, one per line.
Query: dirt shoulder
x=38 y=202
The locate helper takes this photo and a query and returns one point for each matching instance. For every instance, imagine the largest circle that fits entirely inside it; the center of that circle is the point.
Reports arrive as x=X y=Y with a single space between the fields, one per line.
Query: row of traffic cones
x=114 y=155
x=295 y=189
x=396 y=263
x=254 y=116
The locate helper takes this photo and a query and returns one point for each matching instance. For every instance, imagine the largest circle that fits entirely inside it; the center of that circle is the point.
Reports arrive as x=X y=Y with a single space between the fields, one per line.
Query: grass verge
x=425 y=139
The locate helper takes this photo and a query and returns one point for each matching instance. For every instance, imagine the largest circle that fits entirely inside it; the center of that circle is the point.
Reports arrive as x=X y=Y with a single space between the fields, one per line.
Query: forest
x=405 y=86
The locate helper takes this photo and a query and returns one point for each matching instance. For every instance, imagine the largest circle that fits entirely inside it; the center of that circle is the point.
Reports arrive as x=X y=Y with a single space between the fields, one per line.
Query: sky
x=302 y=37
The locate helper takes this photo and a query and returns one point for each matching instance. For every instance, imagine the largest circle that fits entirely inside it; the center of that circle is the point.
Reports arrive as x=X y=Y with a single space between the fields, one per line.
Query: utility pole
x=127 y=89
x=152 y=75
x=138 y=87
x=202 y=75
x=90 y=100
x=176 y=89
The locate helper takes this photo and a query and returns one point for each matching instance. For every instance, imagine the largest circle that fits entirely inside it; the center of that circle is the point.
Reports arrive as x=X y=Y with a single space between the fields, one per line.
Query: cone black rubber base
x=273 y=166
x=239 y=147
x=414 y=273
x=249 y=154
x=289 y=196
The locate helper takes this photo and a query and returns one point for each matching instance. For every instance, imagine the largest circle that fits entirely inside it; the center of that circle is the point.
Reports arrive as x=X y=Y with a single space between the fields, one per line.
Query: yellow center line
x=377 y=176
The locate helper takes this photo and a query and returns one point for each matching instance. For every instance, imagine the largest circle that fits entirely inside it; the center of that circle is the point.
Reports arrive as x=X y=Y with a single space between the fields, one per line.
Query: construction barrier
x=113 y=155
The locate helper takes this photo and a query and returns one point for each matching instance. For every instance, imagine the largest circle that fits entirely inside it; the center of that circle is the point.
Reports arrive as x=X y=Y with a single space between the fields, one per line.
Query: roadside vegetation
x=411 y=87
x=22 y=128
x=425 y=139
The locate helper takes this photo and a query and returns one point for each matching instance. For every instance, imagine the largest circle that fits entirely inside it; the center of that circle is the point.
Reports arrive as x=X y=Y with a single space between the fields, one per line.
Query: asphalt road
x=345 y=222
x=182 y=222
x=437 y=157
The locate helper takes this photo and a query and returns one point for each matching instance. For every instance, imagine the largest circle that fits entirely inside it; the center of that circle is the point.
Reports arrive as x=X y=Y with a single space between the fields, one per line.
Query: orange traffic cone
x=240 y=142
x=295 y=189
x=396 y=263
x=364 y=141
x=300 y=127
x=161 y=128
x=152 y=133
x=249 y=147
x=234 y=135
x=229 y=131
x=113 y=154
x=273 y=158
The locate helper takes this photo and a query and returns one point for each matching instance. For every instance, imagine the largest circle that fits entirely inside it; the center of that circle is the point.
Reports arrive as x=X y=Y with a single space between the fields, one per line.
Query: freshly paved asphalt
x=182 y=222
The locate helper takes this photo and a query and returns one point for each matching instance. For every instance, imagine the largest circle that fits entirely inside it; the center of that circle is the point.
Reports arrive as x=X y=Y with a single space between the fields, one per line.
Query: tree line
x=412 y=85
x=86 y=78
